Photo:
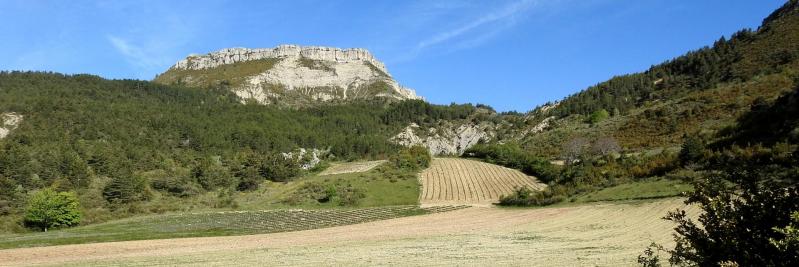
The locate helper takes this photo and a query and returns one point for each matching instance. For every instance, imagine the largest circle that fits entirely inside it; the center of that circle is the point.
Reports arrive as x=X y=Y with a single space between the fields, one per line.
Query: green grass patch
x=645 y=189
x=212 y=224
x=381 y=186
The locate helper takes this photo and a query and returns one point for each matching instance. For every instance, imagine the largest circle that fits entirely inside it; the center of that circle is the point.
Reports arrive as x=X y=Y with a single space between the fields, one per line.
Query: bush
x=523 y=196
x=349 y=195
x=746 y=217
x=211 y=175
x=598 y=116
x=48 y=208
x=176 y=186
x=311 y=192
x=413 y=158
x=318 y=192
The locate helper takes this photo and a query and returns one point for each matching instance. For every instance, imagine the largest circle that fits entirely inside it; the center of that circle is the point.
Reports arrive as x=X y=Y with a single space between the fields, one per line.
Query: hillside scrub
x=593 y=172
x=749 y=195
x=702 y=91
x=512 y=156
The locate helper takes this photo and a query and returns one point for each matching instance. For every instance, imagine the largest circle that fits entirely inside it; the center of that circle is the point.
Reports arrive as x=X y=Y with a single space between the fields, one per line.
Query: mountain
x=290 y=75
x=699 y=93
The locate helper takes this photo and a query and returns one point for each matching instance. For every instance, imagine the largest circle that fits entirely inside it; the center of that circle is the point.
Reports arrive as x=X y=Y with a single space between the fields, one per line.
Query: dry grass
x=463 y=181
x=213 y=224
x=589 y=235
x=351 y=167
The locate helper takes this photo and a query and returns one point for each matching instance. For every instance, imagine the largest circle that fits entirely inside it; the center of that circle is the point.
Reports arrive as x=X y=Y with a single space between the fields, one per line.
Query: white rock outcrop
x=9 y=122
x=307 y=158
x=445 y=139
x=335 y=73
x=541 y=126
x=240 y=54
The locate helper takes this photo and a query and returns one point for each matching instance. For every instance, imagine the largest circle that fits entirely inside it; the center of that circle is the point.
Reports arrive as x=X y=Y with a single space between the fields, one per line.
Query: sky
x=509 y=54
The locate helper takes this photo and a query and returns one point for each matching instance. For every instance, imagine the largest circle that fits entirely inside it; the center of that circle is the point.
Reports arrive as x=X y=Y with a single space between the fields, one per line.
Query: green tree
x=692 y=150
x=126 y=189
x=48 y=208
x=598 y=116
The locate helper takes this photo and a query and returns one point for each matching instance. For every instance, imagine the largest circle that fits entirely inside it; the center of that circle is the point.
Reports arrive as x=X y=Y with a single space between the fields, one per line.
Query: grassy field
x=594 y=234
x=205 y=224
x=274 y=207
x=380 y=186
x=646 y=189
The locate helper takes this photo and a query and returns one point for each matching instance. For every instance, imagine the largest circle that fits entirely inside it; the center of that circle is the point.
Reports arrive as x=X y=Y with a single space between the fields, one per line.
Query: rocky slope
x=8 y=122
x=447 y=138
x=290 y=74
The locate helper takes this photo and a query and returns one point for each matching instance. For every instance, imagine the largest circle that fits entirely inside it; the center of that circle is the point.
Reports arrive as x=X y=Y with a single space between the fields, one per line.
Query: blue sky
x=513 y=55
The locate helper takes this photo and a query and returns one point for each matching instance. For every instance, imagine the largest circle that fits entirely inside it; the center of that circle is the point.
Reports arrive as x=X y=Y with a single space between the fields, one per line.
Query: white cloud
x=134 y=54
x=508 y=12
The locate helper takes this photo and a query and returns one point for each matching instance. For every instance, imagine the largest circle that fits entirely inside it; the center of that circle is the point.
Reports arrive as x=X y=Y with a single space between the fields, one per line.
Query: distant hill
x=701 y=92
x=290 y=75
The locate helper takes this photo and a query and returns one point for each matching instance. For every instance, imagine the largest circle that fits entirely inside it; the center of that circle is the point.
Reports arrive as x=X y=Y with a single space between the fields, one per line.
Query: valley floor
x=599 y=234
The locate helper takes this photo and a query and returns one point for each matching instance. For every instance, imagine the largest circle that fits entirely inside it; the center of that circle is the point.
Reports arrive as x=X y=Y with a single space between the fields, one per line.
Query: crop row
x=469 y=181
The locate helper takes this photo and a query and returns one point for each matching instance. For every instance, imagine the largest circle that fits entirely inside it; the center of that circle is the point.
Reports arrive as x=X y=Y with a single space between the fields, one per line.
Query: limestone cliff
x=447 y=138
x=290 y=73
x=8 y=122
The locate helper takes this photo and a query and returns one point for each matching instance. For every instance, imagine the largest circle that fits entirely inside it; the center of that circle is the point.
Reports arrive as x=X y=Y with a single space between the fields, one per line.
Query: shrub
x=413 y=158
x=249 y=179
x=48 y=208
x=349 y=195
x=176 y=186
x=598 y=116
x=745 y=214
x=318 y=192
x=211 y=175
x=523 y=196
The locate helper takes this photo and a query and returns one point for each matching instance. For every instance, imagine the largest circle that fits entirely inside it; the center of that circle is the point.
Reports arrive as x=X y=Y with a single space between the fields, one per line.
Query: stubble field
x=587 y=235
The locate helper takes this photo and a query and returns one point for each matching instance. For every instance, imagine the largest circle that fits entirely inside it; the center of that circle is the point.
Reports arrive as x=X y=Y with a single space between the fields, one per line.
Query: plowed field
x=463 y=181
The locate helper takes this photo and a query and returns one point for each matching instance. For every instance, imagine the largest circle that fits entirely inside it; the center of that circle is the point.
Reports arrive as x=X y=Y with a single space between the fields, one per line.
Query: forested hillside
x=112 y=141
x=701 y=92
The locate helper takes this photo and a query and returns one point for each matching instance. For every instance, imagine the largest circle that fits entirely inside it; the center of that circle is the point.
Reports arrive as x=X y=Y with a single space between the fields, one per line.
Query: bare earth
x=471 y=182
x=350 y=167
x=589 y=235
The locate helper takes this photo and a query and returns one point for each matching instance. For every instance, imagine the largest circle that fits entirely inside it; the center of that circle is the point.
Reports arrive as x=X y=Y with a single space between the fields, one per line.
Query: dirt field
x=590 y=235
x=350 y=167
x=463 y=181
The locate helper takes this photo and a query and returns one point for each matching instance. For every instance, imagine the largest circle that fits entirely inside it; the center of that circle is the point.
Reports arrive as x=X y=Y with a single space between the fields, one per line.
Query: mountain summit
x=290 y=74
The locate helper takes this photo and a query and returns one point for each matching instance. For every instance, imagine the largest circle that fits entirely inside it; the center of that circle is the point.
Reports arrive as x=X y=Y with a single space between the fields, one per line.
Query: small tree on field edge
x=48 y=208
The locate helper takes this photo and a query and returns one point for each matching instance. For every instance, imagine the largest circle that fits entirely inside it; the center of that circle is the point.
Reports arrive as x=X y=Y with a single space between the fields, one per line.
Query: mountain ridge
x=290 y=74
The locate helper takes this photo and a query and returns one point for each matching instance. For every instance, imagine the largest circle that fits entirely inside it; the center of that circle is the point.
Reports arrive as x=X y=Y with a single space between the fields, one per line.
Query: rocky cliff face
x=290 y=73
x=447 y=138
x=8 y=122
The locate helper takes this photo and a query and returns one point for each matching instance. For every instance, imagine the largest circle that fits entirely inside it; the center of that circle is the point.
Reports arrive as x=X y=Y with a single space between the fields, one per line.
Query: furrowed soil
x=599 y=234
x=470 y=182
